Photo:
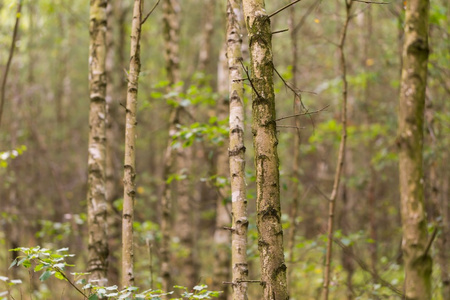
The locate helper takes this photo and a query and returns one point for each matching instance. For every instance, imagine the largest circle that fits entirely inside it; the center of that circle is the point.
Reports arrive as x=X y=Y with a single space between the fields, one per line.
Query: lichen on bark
x=270 y=243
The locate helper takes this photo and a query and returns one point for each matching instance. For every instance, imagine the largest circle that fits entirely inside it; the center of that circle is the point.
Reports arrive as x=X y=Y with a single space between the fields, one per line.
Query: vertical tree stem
x=237 y=151
x=96 y=202
x=265 y=141
x=130 y=146
x=341 y=154
x=417 y=260
x=10 y=57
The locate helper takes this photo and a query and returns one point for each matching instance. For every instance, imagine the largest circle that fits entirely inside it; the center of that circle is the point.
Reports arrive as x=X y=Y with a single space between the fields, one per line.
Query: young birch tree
x=96 y=199
x=415 y=243
x=273 y=268
x=130 y=146
x=237 y=151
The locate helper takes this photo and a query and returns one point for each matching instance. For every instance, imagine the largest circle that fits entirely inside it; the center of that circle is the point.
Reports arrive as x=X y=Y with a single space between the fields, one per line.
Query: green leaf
x=38 y=267
x=93 y=297
x=346 y=241
x=60 y=276
x=13 y=264
x=45 y=275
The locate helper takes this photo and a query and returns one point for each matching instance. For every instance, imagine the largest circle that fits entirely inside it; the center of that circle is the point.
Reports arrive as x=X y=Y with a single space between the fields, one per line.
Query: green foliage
x=9 y=155
x=198 y=292
x=215 y=132
x=53 y=263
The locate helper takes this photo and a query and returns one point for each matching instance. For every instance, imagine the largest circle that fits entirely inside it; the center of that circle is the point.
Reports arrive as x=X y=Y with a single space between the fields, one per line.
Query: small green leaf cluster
x=214 y=131
x=52 y=263
x=113 y=292
x=197 y=292
x=8 y=155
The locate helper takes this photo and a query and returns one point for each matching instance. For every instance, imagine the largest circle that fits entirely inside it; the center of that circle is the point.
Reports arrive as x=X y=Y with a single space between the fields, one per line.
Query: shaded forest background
x=44 y=133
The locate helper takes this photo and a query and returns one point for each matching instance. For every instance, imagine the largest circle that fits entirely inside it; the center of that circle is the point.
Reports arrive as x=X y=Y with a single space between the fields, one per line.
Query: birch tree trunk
x=273 y=268
x=96 y=199
x=237 y=151
x=130 y=146
x=410 y=142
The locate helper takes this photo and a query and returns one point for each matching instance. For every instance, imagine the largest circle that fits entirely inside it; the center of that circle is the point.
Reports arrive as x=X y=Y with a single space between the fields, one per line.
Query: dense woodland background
x=44 y=133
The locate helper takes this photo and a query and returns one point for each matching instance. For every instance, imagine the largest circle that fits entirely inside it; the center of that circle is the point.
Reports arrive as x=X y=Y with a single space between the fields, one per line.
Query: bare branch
x=283 y=8
x=11 y=54
x=240 y=281
x=280 y=31
x=288 y=126
x=307 y=13
x=290 y=87
x=148 y=15
x=371 y=2
x=302 y=114
x=248 y=76
x=348 y=251
x=430 y=242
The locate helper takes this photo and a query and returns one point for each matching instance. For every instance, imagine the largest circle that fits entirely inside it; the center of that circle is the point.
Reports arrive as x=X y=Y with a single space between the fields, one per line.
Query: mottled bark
x=129 y=176
x=237 y=151
x=410 y=142
x=265 y=141
x=96 y=200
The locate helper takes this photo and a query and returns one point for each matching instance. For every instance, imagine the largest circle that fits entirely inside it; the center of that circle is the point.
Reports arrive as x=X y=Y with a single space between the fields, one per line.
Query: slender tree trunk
x=296 y=151
x=96 y=202
x=270 y=232
x=410 y=142
x=129 y=176
x=8 y=63
x=236 y=151
x=341 y=154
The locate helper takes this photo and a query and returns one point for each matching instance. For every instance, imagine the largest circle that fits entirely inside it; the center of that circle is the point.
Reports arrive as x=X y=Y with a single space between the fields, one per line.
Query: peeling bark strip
x=410 y=141
x=273 y=268
x=130 y=145
x=96 y=199
x=237 y=151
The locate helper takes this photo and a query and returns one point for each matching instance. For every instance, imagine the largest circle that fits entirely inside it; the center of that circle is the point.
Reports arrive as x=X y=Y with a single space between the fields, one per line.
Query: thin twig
x=288 y=126
x=283 y=8
x=371 y=2
x=348 y=251
x=302 y=114
x=248 y=76
x=148 y=15
x=303 y=19
x=11 y=54
x=290 y=87
x=430 y=242
x=280 y=31
x=321 y=193
x=240 y=281
x=60 y=271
